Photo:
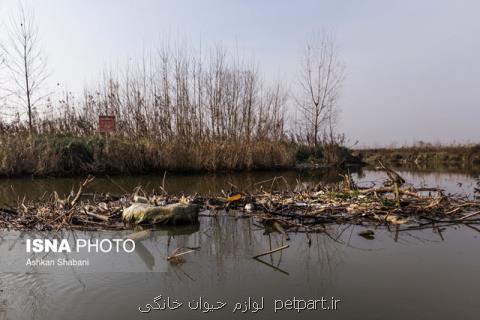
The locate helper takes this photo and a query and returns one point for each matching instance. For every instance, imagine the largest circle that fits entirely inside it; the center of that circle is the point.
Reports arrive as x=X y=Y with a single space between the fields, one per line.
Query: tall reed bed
x=41 y=154
x=174 y=110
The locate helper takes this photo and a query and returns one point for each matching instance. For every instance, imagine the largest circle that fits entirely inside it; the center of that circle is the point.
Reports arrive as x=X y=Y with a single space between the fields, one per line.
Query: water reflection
x=370 y=276
x=14 y=189
x=400 y=274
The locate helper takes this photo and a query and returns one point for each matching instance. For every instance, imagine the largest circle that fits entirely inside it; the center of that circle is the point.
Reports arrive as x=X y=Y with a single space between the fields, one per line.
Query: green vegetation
x=425 y=155
x=325 y=155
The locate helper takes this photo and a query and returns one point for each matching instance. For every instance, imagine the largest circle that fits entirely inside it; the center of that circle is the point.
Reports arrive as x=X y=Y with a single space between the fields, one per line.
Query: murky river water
x=415 y=275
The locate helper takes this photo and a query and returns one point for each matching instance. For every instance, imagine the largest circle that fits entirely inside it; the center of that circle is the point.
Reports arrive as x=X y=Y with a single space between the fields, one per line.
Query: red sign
x=106 y=124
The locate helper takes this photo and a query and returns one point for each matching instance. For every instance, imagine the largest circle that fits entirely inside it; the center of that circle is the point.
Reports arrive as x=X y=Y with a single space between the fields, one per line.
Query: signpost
x=106 y=124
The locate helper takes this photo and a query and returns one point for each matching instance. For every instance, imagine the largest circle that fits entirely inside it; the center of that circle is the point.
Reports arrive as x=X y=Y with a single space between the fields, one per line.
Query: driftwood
x=469 y=215
x=177 y=257
x=83 y=185
x=96 y=216
x=304 y=211
x=271 y=251
x=410 y=193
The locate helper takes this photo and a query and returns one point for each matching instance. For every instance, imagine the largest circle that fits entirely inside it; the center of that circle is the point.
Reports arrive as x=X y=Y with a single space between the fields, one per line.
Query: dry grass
x=41 y=155
x=174 y=110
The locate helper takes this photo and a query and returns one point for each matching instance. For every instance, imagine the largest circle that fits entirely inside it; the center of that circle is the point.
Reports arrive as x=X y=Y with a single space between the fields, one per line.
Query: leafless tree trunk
x=25 y=62
x=321 y=77
x=3 y=80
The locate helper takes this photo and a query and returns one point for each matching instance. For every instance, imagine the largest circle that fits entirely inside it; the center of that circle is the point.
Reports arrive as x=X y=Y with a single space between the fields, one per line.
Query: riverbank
x=40 y=155
x=463 y=156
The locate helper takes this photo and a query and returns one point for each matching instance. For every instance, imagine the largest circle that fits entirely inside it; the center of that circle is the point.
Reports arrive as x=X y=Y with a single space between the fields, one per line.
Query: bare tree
x=25 y=62
x=2 y=76
x=321 y=77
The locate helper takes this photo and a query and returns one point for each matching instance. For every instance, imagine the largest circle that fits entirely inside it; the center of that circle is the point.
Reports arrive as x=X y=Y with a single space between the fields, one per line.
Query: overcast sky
x=412 y=67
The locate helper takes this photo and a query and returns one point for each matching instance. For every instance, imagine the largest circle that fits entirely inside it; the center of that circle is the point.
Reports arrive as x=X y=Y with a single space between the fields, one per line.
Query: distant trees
x=170 y=94
x=24 y=62
x=321 y=77
x=2 y=80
